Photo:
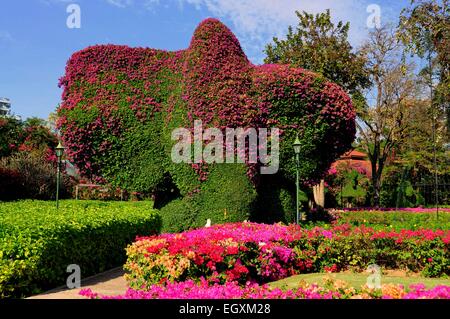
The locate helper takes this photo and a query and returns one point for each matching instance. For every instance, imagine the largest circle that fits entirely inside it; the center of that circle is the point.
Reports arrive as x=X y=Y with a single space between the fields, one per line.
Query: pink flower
x=328 y=234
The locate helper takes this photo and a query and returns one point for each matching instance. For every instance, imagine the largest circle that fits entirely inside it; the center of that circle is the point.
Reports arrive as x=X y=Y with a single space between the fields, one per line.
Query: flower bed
x=404 y=209
x=232 y=290
x=258 y=253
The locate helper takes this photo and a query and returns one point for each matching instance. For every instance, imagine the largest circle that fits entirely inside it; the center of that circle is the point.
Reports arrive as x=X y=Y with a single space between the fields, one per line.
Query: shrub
x=10 y=183
x=121 y=104
x=38 y=242
x=11 y=135
x=100 y=192
x=261 y=253
x=276 y=201
x=395 y=220
x=31 y=176
x=29 y=135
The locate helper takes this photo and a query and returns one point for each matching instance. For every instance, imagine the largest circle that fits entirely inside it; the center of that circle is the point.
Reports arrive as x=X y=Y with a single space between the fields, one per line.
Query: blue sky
x=35 y=42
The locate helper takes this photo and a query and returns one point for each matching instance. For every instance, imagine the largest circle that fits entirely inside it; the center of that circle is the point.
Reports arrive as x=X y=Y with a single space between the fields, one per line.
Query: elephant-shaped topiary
x=120 y=106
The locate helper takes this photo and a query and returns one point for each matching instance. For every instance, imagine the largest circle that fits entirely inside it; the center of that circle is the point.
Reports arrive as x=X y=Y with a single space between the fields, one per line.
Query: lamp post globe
x=59 y=150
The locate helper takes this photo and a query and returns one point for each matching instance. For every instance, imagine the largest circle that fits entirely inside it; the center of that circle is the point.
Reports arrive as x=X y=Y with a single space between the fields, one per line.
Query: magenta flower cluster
x=401 y=209
x=231 y=290
x=242 y=252
x=203 y=290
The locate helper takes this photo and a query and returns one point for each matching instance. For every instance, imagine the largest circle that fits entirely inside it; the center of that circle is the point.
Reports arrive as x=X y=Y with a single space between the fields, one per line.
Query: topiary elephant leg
x=226 y=196
x=276 y=200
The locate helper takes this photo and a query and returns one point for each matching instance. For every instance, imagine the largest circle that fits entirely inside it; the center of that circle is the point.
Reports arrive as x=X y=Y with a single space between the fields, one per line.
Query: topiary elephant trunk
x=120 y=106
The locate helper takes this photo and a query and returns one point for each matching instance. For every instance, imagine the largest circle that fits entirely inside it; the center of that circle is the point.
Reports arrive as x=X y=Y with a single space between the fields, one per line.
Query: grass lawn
x=357 y=280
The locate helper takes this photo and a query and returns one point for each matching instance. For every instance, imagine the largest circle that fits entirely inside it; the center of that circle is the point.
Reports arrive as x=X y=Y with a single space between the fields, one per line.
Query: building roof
x=354 y=154
x=356 y=160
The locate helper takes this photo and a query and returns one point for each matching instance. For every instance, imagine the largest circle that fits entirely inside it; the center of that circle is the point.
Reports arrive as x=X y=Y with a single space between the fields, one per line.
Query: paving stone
x=111 y=282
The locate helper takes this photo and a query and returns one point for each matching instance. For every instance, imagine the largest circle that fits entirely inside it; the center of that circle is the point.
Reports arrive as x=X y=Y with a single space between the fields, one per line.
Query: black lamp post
x=297 y=146
x=59 y=150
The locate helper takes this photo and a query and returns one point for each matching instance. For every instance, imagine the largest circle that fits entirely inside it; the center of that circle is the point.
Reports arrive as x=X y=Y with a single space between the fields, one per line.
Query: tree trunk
x=319 y=193
x=375 y=172
x=376 y=188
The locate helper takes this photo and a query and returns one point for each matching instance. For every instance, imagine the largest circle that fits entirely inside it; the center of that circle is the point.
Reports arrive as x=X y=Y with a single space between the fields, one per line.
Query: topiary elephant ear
x=120 y=106
x=304 y=104
x=217 y=77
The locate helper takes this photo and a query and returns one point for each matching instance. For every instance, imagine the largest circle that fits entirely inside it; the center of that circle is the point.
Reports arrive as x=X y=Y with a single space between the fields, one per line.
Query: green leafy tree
x=11 y=135
x=414 y=164
x=319 y=45
x=29 y=135
x=37 y=135
x=424 y=28
x=417 y=152
x=348 y=184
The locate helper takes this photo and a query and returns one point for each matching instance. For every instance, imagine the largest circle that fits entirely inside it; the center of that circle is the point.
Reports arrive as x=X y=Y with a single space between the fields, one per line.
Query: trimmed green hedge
x=37 y=242
x=396 y=220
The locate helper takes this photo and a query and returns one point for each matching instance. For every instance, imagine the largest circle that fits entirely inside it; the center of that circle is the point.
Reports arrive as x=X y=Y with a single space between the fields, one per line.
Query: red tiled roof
x=356 y=160
x=354 y=154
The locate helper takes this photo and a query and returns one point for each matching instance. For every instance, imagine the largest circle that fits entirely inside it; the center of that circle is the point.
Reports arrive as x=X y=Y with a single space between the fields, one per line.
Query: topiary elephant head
x=120 y=105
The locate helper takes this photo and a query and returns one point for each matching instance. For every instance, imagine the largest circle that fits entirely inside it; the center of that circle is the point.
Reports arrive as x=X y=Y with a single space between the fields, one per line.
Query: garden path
x=108 y=283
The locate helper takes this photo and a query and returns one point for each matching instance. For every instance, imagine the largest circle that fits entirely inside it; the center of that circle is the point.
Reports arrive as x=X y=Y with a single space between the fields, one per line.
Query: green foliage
x=276 y=200
x=409 y=185
x=38 y=242
x=29 y=135
x=319 y=45
x=227 y=196
x=27 y=160
x=34 y=178
x=347 y=184
x=424 y=28
x=396 y=220
x=10 y=135
x=357 y=251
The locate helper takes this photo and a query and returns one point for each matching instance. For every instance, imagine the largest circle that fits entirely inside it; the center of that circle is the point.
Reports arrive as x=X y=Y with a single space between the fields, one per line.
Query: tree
x=347 y=183
x=422 y=158
x=425 y=30
x=383 y=122
x=319 y=45
x=29 y=135
x=416 y=154
x=11 y=135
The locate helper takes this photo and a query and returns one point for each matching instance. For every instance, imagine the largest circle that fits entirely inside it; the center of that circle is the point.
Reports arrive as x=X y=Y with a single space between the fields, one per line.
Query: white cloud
x=120 y=3
x=151 y=4
x=51 y=2
x=5 y=36
x=256 y=22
